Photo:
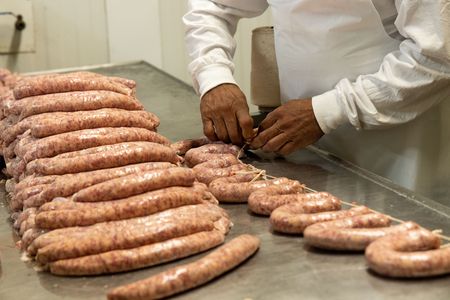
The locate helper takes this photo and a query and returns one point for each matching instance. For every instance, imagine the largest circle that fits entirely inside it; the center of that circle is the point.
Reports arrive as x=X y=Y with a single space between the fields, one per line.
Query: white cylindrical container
x=265 y=86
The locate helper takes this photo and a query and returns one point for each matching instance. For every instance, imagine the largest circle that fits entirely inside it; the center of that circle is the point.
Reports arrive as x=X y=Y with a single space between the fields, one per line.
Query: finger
x=268 y=122
x=246 y=124
x=276 y=143
x=233 y=130
x=208 y=130
x=221 y=130
x=288 y=148
x=263 y=137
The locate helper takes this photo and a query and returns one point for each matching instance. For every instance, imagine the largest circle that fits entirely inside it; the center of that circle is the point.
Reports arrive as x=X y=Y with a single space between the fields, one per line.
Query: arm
x=409 y=81
x=210 y=26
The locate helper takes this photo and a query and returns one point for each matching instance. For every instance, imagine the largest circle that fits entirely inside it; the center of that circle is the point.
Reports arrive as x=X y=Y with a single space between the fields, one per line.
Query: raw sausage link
x=23 y=216
x=86 y=213
x=204 y=153
x=207 y=175
x=28 y=192
x=135 y=152
x=126 y=238
x=110 y=117
x=21 y=142
x=16 y=168
x=29 y=236
x=125 y=81
x=29 y=223
x=295 y=217
x=15 y=130
x=15 y=205
x=59 y=122
x=265 y=200
x=98 y=149
x=61 y=203
x=71 y=101
x=141 y=257
x=135 y=184
x=18 y=199
x=86 y=74
x=349 y=234
x=9 y=152
x=222 y=161
x=88 y=138
x=181 y=147
x=37 y=85
x=192 y=212
x=210 y=198
x=408 y=254
x=185 y=277
x=67 y=185
x=237 y=188
x=33 y=180
x=10 y=185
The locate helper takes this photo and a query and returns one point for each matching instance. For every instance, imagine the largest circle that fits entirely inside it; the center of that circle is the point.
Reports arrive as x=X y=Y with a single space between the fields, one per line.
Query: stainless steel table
x=284 y=268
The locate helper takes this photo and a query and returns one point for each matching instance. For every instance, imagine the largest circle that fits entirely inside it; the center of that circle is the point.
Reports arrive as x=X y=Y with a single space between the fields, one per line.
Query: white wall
x=134 y=31
x=67 y=34
x=153 y=30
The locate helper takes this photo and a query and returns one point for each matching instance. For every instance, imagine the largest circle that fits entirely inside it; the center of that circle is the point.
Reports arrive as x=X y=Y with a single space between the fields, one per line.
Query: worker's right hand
x=225 y=115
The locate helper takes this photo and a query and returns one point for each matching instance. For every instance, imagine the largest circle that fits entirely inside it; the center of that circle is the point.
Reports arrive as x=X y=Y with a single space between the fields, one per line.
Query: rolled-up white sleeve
x=210 y=27
x=409 y=81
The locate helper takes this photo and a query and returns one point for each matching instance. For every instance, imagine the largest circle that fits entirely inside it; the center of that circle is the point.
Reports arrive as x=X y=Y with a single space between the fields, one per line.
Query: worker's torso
x=319 y=42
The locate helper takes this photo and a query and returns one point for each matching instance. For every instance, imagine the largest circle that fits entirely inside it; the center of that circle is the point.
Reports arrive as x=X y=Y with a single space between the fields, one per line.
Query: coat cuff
x=212 y=76
x=328 y=111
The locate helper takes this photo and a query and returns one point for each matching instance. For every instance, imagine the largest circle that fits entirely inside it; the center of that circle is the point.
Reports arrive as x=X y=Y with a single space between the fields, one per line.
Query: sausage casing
x=72 y=101
x=414 y=253
x=135 y=152
x=87 y=138
x=136 y=258
x=208 y=212
x=351 y=233
x=264 y=201
x=41 y=85
x=88 y=213
x=67 y=185
x=105 y=117
x=207 y=175
x=205 y=153
x=188 y=276
x=237 y=188
x=296 y=216
x=134 y=184
x=125 y=238
x=181 y=147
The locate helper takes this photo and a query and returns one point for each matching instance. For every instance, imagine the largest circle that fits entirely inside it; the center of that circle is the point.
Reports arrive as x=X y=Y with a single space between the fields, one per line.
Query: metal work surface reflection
x=284 y=268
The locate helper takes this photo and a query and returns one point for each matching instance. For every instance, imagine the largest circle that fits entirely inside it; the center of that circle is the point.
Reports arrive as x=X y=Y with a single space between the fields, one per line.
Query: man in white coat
x=368 y=63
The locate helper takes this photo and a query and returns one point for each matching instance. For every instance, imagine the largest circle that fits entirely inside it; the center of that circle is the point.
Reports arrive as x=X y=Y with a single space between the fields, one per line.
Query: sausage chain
x=356 y=229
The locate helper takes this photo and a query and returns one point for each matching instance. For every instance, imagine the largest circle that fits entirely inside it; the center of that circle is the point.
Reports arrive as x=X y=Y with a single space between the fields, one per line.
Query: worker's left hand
x=289 y=127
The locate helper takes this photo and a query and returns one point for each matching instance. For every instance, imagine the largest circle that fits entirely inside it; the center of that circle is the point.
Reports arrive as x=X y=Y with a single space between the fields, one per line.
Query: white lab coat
x=347 y=55
x=366 y=64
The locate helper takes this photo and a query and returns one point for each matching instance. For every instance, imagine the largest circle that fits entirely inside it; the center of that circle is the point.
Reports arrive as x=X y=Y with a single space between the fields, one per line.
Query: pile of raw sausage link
x=94 y=189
